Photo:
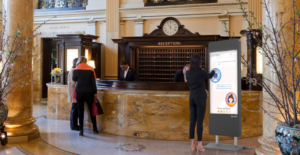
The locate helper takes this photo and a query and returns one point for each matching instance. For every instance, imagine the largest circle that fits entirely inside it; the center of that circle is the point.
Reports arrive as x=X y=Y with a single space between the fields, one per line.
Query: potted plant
x=56 y=73
x=12 y=49
x=279 y=41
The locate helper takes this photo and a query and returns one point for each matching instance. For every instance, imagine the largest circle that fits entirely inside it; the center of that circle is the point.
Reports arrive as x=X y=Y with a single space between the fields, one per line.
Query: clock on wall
x=170 y=27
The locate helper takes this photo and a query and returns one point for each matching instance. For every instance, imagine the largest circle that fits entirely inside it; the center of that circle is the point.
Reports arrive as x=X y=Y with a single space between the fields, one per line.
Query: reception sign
x=225 y=88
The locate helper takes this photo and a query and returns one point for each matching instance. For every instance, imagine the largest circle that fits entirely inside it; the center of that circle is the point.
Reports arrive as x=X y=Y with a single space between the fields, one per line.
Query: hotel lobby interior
x=150 y=116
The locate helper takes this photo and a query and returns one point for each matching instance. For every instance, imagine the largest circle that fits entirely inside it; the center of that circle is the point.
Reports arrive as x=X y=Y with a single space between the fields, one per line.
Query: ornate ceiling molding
x=182 y=11
x=70 y=16
x=157 y=12
x=180 y=6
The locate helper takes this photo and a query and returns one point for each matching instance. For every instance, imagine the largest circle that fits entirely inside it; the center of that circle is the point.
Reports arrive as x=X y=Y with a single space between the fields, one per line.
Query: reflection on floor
x=57 y=138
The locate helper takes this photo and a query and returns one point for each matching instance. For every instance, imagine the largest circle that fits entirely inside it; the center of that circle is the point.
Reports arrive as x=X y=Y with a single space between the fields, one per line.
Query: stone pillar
x=20 y=123
x=244 y=49
x=268 y=144
x=91 y=29
x=139 y=27
x=256 y=7
x=112 y=32
x=222 y=27
x=122 y=28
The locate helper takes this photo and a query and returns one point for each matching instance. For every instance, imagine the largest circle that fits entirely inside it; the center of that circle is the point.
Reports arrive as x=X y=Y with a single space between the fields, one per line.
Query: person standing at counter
x=196 y=82
x=127 y=73
x=86 y=90
x=71 y=89
x=180 y=76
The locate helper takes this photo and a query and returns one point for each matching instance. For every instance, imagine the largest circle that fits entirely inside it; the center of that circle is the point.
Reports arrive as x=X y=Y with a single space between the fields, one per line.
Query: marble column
x=91 y=29
x=122 y=28
x=139 y=27
x=268 y=144
x=112 y=32
x=222 y=27
x=256 y=7
x=20 y=123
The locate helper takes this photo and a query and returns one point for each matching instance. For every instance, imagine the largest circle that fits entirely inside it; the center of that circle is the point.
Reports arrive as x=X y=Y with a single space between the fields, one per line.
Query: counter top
x=141 y=85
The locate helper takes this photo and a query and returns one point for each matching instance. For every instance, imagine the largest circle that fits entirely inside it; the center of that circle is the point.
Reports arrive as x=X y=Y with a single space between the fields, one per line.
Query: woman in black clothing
x=86 y=90
x=196 y=81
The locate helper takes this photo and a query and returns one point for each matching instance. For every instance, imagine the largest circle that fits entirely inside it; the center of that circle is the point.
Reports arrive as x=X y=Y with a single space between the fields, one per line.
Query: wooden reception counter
x=149 y=110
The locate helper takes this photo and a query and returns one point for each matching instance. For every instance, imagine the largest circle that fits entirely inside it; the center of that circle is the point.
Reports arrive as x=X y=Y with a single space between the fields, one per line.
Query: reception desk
x=149 y=110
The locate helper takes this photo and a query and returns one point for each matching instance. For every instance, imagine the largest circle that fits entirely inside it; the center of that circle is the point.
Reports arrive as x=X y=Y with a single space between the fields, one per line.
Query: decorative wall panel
x=48 y=4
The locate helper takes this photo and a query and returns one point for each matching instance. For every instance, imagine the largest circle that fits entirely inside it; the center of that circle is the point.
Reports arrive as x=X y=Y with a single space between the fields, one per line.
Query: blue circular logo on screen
x=217 y=77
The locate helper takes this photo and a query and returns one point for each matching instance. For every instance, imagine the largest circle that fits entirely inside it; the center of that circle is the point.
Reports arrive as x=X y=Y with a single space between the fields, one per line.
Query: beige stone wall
x=108 y=26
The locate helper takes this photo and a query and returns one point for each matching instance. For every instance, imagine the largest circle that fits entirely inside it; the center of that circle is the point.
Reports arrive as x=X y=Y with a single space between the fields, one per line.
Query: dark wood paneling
x=47 y=52
x=96 y=56
x=183 y=41
x=72 y=41
x=170 y=86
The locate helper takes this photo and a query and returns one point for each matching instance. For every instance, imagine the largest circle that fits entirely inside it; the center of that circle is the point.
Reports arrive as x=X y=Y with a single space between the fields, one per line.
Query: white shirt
x=125 y=72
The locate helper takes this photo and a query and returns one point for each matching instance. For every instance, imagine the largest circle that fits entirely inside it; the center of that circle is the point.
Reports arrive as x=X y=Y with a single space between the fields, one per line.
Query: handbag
x=96 y=108
x=74 y=97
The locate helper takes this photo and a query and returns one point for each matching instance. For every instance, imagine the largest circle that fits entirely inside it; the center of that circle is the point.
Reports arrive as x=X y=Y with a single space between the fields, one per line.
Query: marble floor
x=57 y=139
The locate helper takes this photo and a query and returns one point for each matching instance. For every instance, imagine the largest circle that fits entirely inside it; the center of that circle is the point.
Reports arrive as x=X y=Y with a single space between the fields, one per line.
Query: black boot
x=74 y=117
x=81 y=133
x=95 y=130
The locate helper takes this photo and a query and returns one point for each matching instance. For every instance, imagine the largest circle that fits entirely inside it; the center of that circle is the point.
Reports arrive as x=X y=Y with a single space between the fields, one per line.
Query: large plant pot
x=288 y=140
x=3 y=114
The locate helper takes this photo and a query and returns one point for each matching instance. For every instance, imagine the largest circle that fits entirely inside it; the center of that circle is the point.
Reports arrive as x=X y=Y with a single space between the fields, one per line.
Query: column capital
x=91 y=23
x=139 y=21
x=226 y=17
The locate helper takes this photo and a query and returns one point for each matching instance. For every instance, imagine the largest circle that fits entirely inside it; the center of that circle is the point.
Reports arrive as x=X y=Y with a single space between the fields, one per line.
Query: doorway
x=49 y=62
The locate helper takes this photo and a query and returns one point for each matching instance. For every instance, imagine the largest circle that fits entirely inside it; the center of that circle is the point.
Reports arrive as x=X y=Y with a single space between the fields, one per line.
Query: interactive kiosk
x=225 y=93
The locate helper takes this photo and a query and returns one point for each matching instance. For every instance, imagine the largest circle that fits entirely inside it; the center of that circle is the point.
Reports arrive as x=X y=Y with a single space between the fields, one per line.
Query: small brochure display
x=225 y=93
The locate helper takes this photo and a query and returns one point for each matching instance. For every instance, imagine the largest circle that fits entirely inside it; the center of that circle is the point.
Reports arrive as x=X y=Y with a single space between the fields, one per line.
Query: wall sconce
x=91 y=63
x=3 y=136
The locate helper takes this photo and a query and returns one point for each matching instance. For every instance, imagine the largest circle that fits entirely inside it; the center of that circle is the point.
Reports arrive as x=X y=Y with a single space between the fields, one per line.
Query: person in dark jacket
x=196 y=82
x=180 y=76
x=86 y=90
x=127 y=73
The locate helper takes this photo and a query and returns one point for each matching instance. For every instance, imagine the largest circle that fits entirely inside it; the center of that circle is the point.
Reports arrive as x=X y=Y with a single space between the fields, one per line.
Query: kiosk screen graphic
x=224 y=83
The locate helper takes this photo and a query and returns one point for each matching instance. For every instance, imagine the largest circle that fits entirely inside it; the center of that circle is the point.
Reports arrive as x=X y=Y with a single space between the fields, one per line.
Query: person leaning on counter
x=180 y=76
x=127 y=73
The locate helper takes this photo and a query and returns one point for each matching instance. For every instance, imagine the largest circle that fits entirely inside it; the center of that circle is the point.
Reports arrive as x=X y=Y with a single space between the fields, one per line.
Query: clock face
x=170 y=27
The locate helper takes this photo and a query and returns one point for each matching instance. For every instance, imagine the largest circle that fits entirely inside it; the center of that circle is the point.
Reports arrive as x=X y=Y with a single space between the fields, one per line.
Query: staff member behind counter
x=180 y=76
x=127 y=73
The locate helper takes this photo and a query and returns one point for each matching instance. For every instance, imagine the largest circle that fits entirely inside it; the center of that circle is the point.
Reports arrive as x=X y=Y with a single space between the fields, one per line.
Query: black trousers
x=74 y=116
x=89 y=99
x=197 y=113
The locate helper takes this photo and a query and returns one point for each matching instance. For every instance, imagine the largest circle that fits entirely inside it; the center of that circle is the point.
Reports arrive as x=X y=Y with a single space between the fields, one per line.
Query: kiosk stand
x=225 y=93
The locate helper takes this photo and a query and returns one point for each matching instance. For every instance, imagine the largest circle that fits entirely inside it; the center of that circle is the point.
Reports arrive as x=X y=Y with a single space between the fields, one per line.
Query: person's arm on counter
x=175 y=79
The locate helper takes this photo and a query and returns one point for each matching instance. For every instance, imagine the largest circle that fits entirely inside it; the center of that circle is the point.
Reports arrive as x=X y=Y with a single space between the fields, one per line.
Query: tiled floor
x=57 y=138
